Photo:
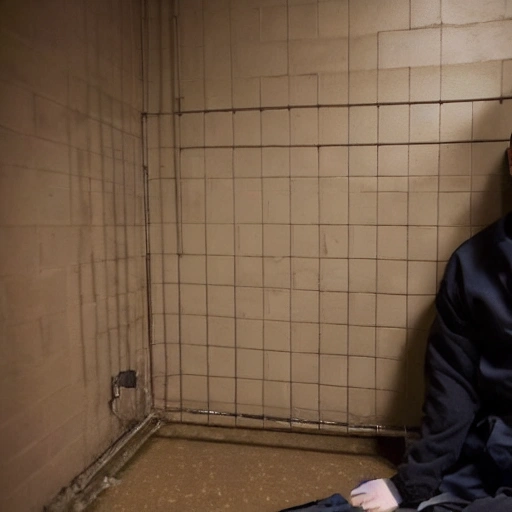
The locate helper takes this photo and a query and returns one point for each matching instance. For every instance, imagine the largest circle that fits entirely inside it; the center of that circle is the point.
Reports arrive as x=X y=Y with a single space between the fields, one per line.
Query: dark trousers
x=482 y=478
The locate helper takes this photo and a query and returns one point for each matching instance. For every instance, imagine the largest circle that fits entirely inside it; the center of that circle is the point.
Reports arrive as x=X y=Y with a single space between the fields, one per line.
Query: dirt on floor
x=176 y=475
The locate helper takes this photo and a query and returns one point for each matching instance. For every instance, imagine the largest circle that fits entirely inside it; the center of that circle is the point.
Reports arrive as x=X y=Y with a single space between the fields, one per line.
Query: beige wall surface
x=72 y=245
x=311 y=165
x=332 y=155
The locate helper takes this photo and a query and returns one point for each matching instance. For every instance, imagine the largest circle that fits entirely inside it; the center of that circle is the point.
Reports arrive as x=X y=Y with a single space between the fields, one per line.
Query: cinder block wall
x=332 y=156
x=72 y=245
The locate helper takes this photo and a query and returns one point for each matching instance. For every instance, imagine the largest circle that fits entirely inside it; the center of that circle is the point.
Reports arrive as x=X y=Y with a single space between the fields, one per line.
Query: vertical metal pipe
x=145 y=177
x=176 y=94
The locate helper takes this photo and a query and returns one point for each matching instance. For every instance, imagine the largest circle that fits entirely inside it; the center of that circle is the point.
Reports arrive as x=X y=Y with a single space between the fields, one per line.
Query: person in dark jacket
x=463 y=459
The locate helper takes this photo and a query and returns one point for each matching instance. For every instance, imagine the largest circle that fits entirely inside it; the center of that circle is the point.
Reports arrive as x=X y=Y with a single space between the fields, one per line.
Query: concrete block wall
x=333 y=153
x=72 y=252
x=330 y=156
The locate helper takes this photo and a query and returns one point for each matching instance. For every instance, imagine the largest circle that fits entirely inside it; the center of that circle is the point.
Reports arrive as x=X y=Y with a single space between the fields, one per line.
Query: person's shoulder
x=476 y=253
x=480 y=243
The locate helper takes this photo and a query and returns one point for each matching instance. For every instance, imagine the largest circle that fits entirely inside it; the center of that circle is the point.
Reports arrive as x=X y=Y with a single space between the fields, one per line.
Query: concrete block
x=318 y=56
x=471 y=81
x=264 y=59
x=477 y=42
x=401 y=49
x=455 y=12
x=373 y=16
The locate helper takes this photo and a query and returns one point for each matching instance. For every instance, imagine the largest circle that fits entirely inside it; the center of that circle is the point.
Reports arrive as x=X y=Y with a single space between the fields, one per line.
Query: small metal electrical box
x=126 y=379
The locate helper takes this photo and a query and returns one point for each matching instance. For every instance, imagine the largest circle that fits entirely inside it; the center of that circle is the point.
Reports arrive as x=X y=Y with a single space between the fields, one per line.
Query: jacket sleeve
x=451 y=400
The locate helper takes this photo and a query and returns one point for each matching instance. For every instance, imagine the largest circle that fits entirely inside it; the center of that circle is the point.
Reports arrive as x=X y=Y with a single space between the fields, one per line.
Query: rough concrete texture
x=196 y=476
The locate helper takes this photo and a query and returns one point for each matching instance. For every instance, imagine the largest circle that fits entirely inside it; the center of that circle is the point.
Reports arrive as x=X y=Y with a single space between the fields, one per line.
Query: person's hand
x=376 y=496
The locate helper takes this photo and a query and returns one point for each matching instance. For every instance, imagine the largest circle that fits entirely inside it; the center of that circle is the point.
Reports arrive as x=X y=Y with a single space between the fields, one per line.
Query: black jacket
x=469 y=359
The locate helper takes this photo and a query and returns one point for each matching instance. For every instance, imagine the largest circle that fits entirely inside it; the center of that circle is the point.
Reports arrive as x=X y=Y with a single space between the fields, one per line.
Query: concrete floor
x=176 y=475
